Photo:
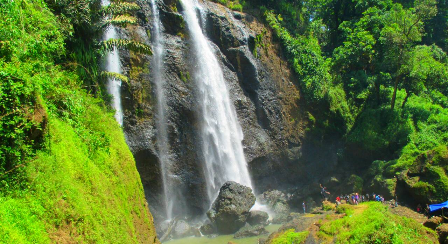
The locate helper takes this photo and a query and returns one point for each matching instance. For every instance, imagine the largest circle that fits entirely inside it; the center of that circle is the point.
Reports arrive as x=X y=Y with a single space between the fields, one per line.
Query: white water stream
x=173 y=198
x=220 y=132
x=113 y=65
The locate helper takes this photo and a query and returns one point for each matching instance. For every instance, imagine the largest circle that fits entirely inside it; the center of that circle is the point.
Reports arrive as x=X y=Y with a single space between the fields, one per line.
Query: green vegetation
x=291 y=237
x=375 y=224
x=66 y=174
x=375 y=74
x=236 y=5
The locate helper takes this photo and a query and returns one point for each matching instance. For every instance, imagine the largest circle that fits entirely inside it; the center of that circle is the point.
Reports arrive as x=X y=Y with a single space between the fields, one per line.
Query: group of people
x=355 y=198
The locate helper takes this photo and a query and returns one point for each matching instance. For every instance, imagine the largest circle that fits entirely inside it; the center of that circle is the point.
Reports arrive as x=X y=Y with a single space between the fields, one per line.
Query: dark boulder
x=433 y=222
x=208 y=229
x=248 y=231
x=442 y=231
x=257 y=217
x=231 y=208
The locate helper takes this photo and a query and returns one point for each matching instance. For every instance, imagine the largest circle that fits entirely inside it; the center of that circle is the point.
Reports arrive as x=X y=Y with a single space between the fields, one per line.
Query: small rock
x=442 y=230
x=237 y=15
x=181 y=229
x=433 y=222
x=257 y=217
x=262 y=240
x=208 y=229
x=248 y=231
x=292 y=216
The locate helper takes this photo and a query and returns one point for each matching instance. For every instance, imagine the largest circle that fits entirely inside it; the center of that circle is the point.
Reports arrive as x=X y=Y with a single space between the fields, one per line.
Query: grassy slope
x=80 y=184
x=370 y=222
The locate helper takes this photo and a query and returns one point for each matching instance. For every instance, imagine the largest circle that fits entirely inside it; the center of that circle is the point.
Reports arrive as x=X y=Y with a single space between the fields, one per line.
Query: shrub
x=291 y=237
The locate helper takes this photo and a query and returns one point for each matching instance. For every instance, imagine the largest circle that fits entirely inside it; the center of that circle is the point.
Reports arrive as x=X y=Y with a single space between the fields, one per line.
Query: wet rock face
x=231 y=208
x=257 y=217
x=278 y=202
x=248 y=231
x=262 y=90
x=182 y=229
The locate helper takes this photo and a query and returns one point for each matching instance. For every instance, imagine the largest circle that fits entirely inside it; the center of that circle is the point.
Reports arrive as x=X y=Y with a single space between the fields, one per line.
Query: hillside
x=67 y=175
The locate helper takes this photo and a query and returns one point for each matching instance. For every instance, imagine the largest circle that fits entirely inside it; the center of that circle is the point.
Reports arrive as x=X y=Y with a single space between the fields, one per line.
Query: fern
x=119 y=8
x=126 y=44
x=114 y=75
x=120 y=20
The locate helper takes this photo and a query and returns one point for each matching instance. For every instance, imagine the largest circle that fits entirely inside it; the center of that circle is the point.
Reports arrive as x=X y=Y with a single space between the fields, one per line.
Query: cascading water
x=113 y=65
x=221 y=133
x=173 y=198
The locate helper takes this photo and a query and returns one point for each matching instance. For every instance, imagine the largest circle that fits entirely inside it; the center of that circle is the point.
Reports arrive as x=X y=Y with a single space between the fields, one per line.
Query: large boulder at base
x=442 y=230
x=248 y=231
x=433 y=222
x=230 y=210
x=182 y=229
x=257 y=217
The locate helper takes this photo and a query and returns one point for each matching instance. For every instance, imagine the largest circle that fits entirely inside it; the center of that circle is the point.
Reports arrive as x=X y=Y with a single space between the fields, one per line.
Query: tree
x=404 y=27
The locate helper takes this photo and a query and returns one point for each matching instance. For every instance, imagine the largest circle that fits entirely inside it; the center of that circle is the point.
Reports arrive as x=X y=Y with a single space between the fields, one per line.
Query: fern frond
x=120 y=8
x=121 y=20
x=113 y=75
x=126 y=44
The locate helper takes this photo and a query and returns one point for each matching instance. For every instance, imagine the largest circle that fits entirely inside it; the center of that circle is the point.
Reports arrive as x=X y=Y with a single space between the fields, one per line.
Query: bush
x=345 y=209
x=291 y=237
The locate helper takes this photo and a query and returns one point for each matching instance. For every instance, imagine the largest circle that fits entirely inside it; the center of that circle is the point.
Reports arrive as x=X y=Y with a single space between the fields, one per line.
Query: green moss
x=439 y=182
x=375 y=224
x=291 y=237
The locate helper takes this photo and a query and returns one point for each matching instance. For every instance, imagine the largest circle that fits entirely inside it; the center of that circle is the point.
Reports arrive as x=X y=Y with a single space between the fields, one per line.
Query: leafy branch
x=120 y=20
x=120 y=8
x=114 y=75
x=138 y=47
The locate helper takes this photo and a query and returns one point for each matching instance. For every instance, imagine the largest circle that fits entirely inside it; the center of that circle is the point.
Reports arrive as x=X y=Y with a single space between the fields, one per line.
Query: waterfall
x=113 y=65
x=221 y=133
x=169 y=190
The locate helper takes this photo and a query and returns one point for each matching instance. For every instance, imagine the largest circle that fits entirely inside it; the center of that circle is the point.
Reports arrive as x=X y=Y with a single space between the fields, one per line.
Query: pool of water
x=223 y=239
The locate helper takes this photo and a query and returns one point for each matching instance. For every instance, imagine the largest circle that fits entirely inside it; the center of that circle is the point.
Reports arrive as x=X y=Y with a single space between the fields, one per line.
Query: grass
x=373 y=223
x=291 y=237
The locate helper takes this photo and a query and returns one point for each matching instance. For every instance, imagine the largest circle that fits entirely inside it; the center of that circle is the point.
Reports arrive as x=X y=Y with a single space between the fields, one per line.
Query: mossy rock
x=328 y=206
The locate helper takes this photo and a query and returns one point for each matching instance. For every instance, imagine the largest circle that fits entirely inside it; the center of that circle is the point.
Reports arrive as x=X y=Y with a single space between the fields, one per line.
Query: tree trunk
x=394 y=95
x=377 y=92
x=405 y=99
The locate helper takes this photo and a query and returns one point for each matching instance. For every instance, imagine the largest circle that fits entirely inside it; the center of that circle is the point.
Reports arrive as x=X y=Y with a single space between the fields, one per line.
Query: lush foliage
x=66 y=174
x=291 y=237
x=375 y=224
x=373 y=72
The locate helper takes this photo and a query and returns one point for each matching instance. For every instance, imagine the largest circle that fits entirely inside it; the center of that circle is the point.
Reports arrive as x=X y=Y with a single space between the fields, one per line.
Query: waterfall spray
x=173 y=198
x=113 y=65
x=221 y=133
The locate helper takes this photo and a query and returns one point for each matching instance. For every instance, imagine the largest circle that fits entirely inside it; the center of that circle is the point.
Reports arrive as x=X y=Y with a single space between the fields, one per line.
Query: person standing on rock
x=323 y=192
x=304 y=207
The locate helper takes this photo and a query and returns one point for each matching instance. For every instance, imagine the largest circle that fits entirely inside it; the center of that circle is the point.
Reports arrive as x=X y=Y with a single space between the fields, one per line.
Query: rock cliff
x=278 y=149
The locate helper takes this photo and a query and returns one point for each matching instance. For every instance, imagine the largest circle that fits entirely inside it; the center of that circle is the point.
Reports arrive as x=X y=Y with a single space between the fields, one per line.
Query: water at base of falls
x=112 y=64
x=220 y=131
